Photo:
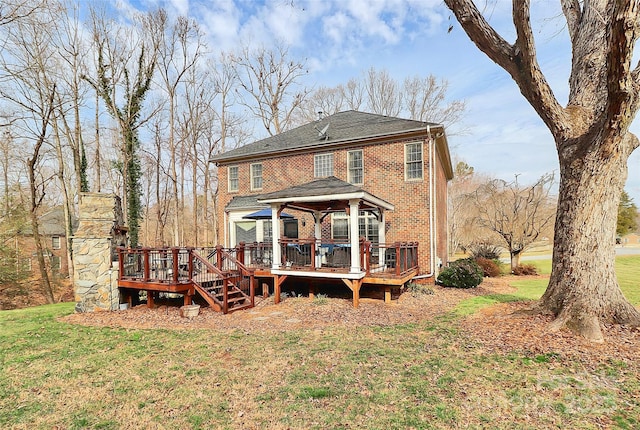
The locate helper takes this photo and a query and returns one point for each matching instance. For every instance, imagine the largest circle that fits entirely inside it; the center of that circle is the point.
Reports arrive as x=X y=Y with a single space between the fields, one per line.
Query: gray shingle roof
x=325 y=195
x=319 y=187
x=245 y=202
x=342 y=127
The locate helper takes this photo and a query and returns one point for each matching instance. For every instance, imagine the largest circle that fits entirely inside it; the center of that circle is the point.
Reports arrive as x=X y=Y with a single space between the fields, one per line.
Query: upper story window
x=413 y=162
x=355 y=164
x=233 y=178
x=55 y=242
x=323 y=165
x=256 y=176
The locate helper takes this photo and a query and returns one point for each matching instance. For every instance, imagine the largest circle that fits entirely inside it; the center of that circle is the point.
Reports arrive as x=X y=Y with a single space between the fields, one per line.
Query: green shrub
x=525 y=270
x=489 y=267
x=464 y=273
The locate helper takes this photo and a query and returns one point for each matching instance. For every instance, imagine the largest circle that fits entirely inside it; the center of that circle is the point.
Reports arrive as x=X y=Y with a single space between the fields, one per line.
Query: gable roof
x=341 y=128
x=51 y=223
x=325 y=195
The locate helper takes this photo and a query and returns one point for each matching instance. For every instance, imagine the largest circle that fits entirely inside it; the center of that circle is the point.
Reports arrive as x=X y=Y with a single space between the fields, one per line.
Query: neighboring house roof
x=338 y=129
x=51 y=223
x=327 y=195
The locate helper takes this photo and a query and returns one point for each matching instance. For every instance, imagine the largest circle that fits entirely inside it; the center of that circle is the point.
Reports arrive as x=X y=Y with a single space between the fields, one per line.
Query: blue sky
x=341 y=39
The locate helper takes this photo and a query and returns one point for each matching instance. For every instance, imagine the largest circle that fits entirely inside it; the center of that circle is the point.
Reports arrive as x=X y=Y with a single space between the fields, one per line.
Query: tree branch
x=573 y=14
x=519 y=60
x=621 y=82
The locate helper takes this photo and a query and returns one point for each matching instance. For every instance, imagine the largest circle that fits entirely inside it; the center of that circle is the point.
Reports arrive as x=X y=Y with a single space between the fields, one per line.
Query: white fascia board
x=361 y=195
x=310 y=274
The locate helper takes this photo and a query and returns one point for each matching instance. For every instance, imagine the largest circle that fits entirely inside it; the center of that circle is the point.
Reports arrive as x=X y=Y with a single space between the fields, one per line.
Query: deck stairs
x=215 y=285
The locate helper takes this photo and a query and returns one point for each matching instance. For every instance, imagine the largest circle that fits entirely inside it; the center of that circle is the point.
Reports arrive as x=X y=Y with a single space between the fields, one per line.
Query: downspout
x=432 y=203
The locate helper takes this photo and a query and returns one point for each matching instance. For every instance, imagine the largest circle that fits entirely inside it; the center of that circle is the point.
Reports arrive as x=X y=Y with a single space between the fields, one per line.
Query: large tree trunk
x=583 y=291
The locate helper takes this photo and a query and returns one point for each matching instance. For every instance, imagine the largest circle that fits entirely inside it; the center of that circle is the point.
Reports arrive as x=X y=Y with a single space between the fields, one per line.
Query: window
x=323 y=165
x=413 y=161
x=355 y=166
x=256 y=176
x=340 y=226
x=267 y=231
x=367 y=226
x=245 y=232
x=55 y=242
x=233 y=178
x=55 y=263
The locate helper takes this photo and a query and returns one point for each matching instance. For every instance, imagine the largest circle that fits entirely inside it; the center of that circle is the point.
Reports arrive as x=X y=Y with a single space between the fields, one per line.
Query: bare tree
x=181 y=47
x=323 y=101
x=518 y=215
x=383 y=93
x=270 y=80
x=461 y=209
x=354 y=93
x=418 y=98
x=122 y=64
x=593 y=142
x=13 y=10
x=425 y=99
x=29 y=66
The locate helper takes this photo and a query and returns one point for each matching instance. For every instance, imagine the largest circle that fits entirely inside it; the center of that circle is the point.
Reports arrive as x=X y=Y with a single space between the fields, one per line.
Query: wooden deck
x=237 y=272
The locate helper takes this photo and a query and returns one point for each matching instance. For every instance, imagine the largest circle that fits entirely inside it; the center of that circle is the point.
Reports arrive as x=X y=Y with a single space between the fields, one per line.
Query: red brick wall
x=384 y=177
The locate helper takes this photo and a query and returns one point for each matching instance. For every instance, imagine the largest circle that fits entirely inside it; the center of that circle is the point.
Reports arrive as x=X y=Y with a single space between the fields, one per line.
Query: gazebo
x=321 y=198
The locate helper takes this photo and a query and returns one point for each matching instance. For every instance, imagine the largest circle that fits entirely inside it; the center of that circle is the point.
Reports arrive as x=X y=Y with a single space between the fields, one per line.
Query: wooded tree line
x=136 y=106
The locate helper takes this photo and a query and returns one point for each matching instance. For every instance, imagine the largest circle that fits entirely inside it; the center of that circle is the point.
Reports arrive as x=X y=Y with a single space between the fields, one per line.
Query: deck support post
x=354 y=285
x=277 y=284
x=150 y=299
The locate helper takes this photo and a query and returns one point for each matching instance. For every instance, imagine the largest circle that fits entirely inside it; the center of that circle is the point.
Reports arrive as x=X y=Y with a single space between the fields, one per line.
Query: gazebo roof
x=325 y=195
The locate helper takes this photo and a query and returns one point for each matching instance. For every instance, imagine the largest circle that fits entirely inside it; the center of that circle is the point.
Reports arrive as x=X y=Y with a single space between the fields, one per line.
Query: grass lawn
x=627 y=270
x=421 y=376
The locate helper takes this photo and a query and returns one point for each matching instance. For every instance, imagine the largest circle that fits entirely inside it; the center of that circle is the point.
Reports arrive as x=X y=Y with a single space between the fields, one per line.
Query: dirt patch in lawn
x=498 y=328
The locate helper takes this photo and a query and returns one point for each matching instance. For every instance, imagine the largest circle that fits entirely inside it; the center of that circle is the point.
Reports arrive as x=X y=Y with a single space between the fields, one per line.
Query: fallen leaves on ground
x=500 y=328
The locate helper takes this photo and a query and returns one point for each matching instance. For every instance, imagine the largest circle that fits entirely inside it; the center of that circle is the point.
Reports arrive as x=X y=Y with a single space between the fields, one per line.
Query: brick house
x=54 y=244
x=404 y=164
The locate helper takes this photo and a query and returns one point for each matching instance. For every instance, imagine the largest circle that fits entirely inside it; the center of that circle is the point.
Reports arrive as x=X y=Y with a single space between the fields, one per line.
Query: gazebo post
x=354 y=212
x=275 y=242
x=318 y=236
x=381 y=236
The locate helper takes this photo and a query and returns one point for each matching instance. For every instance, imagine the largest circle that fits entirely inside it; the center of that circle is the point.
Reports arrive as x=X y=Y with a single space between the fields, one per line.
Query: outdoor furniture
x=339 y=257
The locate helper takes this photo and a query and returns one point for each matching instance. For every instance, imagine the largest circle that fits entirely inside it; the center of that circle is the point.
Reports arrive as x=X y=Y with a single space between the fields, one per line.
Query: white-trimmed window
x=267 y=231
x=55 y=242
x=340 y=226
x=256 y=176
x=233 y=178
x=367 y=226
x=323 y=165
x=413 y=164
x=355 y=166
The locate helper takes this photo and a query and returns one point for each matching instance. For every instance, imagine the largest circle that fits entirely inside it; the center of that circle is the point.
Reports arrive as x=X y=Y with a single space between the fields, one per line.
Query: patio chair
x=339 y=257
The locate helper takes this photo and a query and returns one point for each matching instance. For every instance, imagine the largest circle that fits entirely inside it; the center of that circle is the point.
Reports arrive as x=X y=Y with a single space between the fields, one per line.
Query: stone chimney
x=100 y=231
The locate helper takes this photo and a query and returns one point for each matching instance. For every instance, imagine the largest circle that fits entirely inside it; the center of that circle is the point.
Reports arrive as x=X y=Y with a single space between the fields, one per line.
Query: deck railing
x=173 y=266
x=396 y=258
x=176 y=265
x=163 y=265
